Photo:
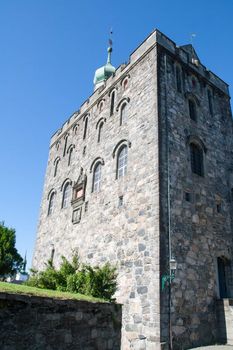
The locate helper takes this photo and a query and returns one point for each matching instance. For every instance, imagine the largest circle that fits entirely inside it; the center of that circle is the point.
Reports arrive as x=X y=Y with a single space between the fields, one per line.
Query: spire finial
x=110 y=46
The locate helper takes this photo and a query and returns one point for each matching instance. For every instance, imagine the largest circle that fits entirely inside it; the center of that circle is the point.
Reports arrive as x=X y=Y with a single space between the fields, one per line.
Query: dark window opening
x=65 y=146
x=178 y=79
x=123 y=118
x=219 y=207
x=56 y=167
x=112 y=103
x=196 y=154
x=187 y=196
x=210 y=102
x=232 y=194
x=51 y=203
x=120 y=202
x=70 y=156
x=194 y=83
x=85 y=129
x=192 y=110
x=100 y=131
x=222 y=276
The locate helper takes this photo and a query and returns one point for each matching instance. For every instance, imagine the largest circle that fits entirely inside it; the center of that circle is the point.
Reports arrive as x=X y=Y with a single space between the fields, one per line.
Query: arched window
x=125 y=83
x=196 y=155
x=65 y=145
x=123 y=114
x=96 y=178
x=178 y=79
x=85 y=128
x=100 y=131
x=51 y=203
x=101 y=106
x=56 y=166
x=70 y=155
x=192 y=110
x=112 y=103
x=66 y=195
x=122 y=161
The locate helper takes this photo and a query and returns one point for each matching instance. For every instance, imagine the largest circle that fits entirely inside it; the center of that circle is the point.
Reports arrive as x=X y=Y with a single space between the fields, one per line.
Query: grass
x=22 y=289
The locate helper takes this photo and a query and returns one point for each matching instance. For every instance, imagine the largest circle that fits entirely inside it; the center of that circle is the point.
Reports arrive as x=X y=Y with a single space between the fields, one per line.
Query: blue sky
x=49 y=50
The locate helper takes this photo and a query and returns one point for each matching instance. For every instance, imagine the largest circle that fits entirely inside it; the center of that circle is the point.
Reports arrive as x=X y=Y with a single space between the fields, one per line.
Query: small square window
x=219 y=207
x=120 y=202
x=76 y=217
x=187 y=196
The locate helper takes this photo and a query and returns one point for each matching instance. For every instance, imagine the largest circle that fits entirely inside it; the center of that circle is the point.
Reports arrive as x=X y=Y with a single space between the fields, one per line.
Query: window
x=66 y=195
x=187 y=196
x=51 y=203
x=178 y=79
x=65 y=146
x=70 y=155
x=76 y=217
x=75 y=129
x=122 y=162
x=123 y=114
x=85 y=128
x=194 y=83
x=192 y=110
x=210 y=102
x=196 y=154
x=96 y=178
x=101 y=106
x=232 y=194
x=56 y=166
x=112 y=103
x=120 y=202
x=100 y=131
x=125 y=84
x=219 y=207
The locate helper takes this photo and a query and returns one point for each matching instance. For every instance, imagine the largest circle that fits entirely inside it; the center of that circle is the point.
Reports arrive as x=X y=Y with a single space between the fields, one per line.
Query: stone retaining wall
x=45 y=324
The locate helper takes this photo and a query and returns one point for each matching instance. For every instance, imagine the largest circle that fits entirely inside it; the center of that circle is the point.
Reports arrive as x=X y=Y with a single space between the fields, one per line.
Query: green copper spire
x=104 y=72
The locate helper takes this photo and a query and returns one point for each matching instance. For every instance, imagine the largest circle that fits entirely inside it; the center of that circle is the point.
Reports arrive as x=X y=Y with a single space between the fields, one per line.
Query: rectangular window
x=76 y=217
x=120 y=202
x=187 y=196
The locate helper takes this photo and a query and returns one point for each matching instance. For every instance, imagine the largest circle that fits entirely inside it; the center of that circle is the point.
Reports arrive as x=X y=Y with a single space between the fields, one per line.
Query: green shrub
x=73 y=277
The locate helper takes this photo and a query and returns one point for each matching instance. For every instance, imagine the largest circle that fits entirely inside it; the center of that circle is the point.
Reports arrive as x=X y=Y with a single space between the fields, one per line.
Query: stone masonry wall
x=47 y=324
x=201 y=231
x=126 y=235
x=127 y=221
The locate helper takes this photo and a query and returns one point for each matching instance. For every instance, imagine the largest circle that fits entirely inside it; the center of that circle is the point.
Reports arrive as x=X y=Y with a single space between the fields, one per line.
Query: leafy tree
x=10 y=260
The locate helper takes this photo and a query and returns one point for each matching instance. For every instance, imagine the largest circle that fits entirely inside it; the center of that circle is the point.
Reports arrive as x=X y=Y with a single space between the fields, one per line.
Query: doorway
x=222 y=280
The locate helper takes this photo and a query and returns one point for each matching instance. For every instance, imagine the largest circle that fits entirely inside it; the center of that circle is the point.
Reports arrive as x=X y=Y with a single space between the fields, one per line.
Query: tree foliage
x=10 y=260
x=75 y=277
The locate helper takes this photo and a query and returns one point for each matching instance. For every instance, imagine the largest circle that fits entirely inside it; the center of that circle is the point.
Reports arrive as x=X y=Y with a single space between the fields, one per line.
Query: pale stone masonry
x=175 y=200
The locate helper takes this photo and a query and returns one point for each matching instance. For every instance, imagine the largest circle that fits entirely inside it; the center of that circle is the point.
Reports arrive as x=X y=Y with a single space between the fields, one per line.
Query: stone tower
x=142 y=176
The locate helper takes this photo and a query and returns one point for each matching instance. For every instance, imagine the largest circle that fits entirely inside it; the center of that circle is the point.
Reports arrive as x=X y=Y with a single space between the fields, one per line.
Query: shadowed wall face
x=43 y=323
